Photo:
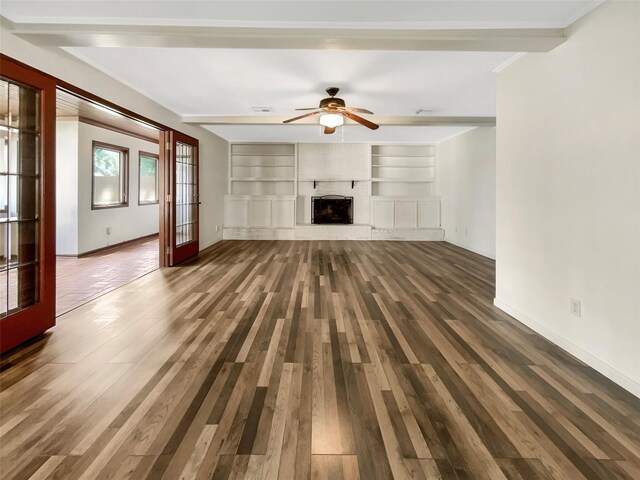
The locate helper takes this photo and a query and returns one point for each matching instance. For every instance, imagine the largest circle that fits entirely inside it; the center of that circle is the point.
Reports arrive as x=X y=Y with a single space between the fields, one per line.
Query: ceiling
x=308 y=13
x=381 y=76
x=69 y=106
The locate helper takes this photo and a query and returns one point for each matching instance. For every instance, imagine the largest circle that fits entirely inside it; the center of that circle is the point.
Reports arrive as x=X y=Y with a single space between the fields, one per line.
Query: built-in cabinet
x=270 y=185
x=403 y=191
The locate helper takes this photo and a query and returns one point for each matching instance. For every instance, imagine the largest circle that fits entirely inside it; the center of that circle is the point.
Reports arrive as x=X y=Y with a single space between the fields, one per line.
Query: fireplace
x=332 y=209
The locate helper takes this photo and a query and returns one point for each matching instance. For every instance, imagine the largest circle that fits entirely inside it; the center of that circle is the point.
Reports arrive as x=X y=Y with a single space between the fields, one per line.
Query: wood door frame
x=12 y=67
x=164 y=185
x=22 y=325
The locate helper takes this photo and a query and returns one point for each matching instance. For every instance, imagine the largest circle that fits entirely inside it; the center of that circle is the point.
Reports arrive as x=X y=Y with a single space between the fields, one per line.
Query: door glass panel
x=19 y=197
x=186 y=194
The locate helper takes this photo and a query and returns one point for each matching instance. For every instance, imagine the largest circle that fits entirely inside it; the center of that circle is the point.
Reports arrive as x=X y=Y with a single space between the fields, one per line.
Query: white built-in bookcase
x=270 y=187
x=403 y=170
x=262 y=169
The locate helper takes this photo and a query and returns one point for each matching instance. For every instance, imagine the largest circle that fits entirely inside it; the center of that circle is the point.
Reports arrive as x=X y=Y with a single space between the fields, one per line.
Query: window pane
x=148 y=180
x=186 y=198
x=108 y=177
x=4 y=248
x=19 y=197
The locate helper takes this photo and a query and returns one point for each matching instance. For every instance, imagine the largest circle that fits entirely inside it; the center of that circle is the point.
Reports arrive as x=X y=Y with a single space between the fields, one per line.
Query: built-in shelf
x=262 y=169
x=403 y=170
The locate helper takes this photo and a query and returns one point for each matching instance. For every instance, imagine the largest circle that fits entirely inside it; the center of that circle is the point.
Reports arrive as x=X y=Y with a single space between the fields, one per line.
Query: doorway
x=28 y=239
x=107 y=200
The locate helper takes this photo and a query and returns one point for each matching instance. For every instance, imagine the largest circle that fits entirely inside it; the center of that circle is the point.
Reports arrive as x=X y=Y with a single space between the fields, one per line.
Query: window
x=147 y=178
x=110 y=176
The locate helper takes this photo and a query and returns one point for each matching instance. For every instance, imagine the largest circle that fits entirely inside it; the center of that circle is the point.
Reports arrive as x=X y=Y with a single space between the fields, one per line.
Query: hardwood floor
x=297 y=360
x=79 y=280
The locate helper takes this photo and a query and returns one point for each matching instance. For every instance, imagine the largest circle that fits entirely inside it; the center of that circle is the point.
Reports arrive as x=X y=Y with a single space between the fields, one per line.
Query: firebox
x=332 y=209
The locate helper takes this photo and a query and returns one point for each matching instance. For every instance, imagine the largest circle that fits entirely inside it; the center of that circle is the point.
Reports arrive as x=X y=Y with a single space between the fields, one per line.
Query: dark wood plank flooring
x=296 y=360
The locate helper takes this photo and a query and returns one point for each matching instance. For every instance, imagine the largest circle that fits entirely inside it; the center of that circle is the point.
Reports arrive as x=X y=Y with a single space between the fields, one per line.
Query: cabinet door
x=260 y=213
x=282 y=213
x=429 y=214
x=236 y=212
x=406 y=214
x=382 y=214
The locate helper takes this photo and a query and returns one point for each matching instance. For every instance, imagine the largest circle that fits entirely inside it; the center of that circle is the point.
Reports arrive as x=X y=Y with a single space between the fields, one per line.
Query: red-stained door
x=183 y=201
x=27 y=203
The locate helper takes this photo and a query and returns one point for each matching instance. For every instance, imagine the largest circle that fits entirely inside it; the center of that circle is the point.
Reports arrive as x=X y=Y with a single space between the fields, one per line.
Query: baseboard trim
x=474 y=250
x=109 y=247
x=608 y=371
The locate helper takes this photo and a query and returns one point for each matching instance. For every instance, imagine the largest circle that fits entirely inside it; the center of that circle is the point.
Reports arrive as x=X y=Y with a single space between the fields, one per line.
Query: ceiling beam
x=493 y=40
x=431 y=121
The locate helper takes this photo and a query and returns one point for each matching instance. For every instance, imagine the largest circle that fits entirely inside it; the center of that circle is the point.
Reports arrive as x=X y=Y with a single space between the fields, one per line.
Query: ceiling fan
x=332 y=111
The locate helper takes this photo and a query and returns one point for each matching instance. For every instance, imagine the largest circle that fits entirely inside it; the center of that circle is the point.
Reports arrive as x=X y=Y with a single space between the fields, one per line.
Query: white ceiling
x=228 y=82
x=231 y=81
x=344 y=13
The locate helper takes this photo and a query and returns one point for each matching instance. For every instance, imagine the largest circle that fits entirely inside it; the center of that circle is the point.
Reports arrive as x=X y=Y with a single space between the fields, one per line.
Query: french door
x=27 y=203
x=182 y=202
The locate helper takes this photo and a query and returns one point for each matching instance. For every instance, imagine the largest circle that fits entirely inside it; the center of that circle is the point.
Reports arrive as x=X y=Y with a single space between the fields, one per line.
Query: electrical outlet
x=107 y=230
x=217 y=228
x=576 y=307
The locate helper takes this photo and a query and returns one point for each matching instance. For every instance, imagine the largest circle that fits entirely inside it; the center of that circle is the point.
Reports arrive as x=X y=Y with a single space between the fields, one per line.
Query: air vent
x=262 y=109
x=424 y=111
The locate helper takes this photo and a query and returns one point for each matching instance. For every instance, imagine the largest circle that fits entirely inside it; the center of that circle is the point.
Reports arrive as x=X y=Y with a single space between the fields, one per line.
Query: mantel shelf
x=403 y=166
x=403 y=180
x=316 y=181
x=332 y=180
x=261 y=179
x=377 y=155
x=261 y=165
x=262 y=154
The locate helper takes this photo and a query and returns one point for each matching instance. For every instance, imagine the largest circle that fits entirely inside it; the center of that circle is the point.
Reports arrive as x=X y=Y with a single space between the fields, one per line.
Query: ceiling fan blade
x=302 y=116
x=302 y=109
x=359 y=110
x=329 y=130
x=360 y=120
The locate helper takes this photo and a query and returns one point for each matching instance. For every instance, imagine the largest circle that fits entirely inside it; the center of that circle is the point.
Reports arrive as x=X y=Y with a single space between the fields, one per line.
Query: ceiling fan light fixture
x=331 y=120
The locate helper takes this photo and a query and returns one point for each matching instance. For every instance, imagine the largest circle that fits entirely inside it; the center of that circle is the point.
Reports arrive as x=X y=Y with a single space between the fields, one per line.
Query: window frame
x=157 y=158
x=124 y=151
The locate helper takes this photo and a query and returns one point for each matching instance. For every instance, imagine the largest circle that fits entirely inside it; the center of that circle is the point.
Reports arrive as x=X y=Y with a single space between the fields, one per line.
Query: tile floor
x=79 y=280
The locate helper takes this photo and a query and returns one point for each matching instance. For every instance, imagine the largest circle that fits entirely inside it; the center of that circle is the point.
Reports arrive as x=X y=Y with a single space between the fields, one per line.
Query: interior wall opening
x=108 y=184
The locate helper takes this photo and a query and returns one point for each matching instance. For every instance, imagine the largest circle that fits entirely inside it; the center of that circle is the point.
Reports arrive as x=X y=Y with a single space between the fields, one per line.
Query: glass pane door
x=186 y=194
x=27 y=220
x=19 y=196
x=183 y=156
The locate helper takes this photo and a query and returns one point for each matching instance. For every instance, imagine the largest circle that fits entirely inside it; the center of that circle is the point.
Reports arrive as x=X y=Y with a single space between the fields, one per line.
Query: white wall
x=568 y=191
x=467 y=184
x=127 y=223
x=213 y=149
x=67 y=187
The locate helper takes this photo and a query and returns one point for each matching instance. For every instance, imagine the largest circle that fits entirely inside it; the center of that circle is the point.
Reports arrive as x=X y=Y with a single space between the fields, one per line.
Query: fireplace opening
x=332 y=209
